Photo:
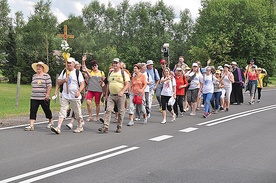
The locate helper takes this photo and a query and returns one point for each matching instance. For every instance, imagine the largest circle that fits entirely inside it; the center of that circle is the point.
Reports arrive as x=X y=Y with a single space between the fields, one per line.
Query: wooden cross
x=65 y=35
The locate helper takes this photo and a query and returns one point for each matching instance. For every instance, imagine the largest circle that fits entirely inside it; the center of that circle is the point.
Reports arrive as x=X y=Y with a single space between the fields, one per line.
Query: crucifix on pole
x=66 y=49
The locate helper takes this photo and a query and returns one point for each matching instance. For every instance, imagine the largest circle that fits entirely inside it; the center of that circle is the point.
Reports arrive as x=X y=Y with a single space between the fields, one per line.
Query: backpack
x=62 y=73
x=122 y=72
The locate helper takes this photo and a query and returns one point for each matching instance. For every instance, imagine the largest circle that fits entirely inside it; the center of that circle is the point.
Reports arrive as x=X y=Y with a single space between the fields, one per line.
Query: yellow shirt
x=261 y=77
x=116 y=81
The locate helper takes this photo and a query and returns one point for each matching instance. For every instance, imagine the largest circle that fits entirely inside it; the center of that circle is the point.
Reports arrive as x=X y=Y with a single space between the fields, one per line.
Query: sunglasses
x=94 y=65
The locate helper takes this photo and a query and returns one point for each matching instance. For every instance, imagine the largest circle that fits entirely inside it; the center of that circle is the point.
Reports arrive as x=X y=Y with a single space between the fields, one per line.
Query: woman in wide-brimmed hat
x=41 y=88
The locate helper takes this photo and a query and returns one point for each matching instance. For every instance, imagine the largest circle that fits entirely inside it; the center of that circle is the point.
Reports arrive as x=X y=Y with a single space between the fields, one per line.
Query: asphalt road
x=232 y=147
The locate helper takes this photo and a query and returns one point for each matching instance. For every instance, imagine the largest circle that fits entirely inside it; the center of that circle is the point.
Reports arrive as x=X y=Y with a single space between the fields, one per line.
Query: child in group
x=262 y=73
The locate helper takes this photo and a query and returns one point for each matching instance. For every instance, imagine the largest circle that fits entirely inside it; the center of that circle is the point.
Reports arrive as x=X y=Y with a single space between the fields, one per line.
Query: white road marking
x=190 y=129
x=240 y=116
x=160 y=138
x=227 y=117
x=78 y=165
x=61 y=164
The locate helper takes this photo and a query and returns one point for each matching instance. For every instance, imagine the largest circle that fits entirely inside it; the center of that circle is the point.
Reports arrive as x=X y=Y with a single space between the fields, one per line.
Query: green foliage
x=238 y=30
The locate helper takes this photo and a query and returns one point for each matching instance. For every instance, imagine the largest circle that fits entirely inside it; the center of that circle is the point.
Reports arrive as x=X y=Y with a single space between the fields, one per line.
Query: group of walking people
x=179 y=90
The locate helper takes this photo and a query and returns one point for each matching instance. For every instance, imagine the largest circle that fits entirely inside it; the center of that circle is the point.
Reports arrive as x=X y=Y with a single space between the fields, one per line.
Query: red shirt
x=180 y=81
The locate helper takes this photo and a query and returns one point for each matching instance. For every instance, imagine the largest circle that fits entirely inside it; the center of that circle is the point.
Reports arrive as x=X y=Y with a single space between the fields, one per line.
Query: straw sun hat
x=46 y=68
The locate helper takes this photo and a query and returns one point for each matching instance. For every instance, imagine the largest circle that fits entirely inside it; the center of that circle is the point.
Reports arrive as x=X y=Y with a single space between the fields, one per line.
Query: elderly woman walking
x=41 y=88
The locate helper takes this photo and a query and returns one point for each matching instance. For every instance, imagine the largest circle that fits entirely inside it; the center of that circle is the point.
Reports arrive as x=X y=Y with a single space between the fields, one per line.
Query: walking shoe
x=119 y=129
x=216 y=112
x=130 y=123
x=173 y=117
x=221 y=108
x=204 y=115
x=226 y=110
x=78 y=130
x=55 y=129
x=145 y=121
x=182 y=114
x=163 y=122
x=137 y=119
x=103 y=130
x=29 y=128
x=49 y=125
x=148 y=116
x=209 y=114
x=258 y=101
x=192 y=114
x=69 y=126
x=102 y=120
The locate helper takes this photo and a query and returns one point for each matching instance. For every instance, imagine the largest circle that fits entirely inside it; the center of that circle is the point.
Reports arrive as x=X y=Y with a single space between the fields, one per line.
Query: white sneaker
x=173 y=117
x=130 y=123
x=49 y=125
x=69 y=126
x=148 y=116
x=78 y=130
x=192 y=114
x=137 y=119
x=163 y=122
x=145 y=121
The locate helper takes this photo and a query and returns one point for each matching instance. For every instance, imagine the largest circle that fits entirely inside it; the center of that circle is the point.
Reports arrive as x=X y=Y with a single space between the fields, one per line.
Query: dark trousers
x=259 y=93
x=34 y=104
x=164 y=102
x=178 y=102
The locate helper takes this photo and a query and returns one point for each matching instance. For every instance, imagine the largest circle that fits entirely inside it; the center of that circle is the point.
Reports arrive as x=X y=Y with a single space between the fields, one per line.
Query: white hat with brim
x=149 y=62
x=194 y=65
x=234 y=63
x=179 y=69
x=77 y=63
x=45 y=67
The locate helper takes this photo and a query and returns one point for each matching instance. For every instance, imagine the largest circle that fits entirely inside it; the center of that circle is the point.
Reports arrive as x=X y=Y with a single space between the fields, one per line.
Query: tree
x=5 y=22
x=245 y=27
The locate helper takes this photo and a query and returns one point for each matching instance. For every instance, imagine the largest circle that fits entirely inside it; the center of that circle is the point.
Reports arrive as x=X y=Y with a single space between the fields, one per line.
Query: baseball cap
x=149 y=62
x=203 y=70
x=71 y=59
x=163 y=61
x=179 y=69
x=194 y=65
x=116 y=60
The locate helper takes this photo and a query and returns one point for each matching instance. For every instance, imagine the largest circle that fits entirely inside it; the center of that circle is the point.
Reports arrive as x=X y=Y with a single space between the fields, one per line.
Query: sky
x=63 y=8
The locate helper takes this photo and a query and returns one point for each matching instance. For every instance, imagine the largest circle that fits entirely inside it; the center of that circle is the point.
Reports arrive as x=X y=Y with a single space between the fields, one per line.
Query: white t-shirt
x=167 y=89
x=73 y=85
x=208 y=84
x=195 y=83
x=226 y=80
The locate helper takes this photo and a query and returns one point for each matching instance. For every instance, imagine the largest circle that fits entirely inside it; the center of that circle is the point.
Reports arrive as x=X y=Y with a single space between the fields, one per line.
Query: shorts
x=91 y=94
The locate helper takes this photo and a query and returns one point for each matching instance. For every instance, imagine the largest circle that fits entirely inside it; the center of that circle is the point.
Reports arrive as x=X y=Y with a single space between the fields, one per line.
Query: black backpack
x=62 y=73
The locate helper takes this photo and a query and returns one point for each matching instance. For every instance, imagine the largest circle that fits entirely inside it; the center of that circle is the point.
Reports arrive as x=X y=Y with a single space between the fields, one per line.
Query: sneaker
x=221 y=108
x=103 y=130
x=137 y=119
x=29 y=128
x=182 y=114
x=202 y=105
x=82 y=123
x=209 y=114
x=226 y=110
x=163 y=122
x=130 y=123
x=192 y=114
x=204 y=115
x=55 y=129
x=173 y=117
x=145 y=121
x=69 y=126
x=49 y=125
x=148 y=116
x=216 y=112
x=258 y=101
x=119 y=129
x=78 y=130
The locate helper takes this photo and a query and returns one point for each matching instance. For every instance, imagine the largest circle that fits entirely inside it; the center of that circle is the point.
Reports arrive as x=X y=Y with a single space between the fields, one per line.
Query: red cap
x=163 y=61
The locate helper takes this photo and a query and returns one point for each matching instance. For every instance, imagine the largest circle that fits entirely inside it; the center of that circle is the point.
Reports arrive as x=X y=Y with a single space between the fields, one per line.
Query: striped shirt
x=40 y=85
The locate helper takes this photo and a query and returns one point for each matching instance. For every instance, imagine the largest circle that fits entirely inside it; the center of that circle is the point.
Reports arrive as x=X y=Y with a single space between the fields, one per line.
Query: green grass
x=8 y=100
x=272 y=82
